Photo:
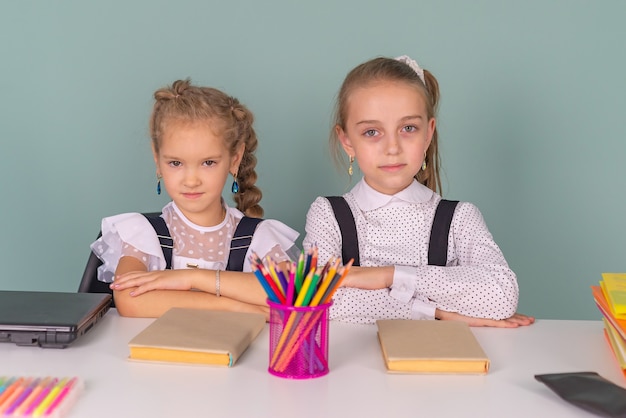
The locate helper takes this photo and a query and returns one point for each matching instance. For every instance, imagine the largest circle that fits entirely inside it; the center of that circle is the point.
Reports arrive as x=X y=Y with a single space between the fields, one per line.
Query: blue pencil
x=270 y=293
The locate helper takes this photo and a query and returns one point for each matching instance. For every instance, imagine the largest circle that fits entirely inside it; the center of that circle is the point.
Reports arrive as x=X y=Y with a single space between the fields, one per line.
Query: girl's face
x=195 y=163
x=388 y=131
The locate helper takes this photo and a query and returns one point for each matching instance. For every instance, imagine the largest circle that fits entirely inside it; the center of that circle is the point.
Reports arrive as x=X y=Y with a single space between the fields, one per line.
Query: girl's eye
x=409 y=128
x=370 y=133
x=175 y=163
x=209 y=163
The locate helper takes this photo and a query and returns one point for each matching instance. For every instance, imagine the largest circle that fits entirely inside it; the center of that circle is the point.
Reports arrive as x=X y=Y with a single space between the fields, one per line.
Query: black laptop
x=49 y=319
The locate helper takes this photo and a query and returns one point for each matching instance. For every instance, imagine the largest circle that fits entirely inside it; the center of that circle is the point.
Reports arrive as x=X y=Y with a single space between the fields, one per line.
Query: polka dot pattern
x=131 y=234
x=475 y=282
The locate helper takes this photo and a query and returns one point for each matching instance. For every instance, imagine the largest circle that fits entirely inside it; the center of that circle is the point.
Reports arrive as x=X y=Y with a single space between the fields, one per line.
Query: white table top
x=357 y=385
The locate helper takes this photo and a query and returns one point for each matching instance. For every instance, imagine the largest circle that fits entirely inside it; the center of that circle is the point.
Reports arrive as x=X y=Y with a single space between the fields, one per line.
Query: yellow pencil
x=274 y=275
x=305 y=288
x=43 y=406
x=293 y=317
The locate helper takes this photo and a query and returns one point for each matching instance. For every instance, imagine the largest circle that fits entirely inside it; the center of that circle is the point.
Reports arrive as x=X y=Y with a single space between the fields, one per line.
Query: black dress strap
x=241 y=242
x=438 y=246
x=349 y=237
x=165 y=239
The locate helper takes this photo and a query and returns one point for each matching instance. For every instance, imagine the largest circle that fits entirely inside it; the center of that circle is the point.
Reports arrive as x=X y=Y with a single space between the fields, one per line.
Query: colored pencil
x=336 y=282
x=19 y=400
x=324 y=284
x=45 y=403
x=268 y=290
x=300 y=272
x=259 y=265
x=312 y=287
x=62 y=395
x=305 y=288
x=291 y=286
x=32 y=396
x=10 y=387
x=41 y=395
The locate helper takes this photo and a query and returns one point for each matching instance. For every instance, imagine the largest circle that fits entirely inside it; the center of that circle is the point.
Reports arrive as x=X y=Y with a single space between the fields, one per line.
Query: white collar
x=203 y=228
x=370 y=199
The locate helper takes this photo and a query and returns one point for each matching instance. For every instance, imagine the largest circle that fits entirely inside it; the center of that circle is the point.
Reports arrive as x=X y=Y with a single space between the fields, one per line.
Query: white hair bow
x=414 y=65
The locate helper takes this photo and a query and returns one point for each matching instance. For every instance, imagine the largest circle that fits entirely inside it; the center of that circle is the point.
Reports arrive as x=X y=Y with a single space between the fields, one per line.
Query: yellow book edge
x=617 y=314
x=614 y=288
x=617 y=345
x=165 y=355
x=435 y=366
x=605 y=310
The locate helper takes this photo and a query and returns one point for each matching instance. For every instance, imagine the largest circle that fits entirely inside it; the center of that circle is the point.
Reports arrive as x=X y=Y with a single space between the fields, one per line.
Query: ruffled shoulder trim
x=131 y=229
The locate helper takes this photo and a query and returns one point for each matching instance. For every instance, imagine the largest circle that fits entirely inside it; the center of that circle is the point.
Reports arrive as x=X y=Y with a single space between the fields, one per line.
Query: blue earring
x=159 y=185
x=235 y=187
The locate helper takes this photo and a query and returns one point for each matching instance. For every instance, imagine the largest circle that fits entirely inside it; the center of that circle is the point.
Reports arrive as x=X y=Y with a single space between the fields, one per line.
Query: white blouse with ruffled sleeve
x=131 y=234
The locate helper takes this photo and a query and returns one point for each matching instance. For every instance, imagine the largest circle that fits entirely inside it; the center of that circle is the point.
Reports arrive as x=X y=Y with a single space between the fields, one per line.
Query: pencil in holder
x=298 y=341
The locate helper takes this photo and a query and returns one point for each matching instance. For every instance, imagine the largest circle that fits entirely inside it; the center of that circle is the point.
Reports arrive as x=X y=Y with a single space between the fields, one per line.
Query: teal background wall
x=531 y=119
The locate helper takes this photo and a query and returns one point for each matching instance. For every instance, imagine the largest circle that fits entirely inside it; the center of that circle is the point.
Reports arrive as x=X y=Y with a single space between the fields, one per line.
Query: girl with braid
x=199 y=136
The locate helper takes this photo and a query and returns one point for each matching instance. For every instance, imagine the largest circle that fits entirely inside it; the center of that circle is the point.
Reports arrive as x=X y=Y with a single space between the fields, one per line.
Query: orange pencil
x=325 y=283
x=11 y=393
x=8 y=392
x=333 y=287
x=31 y=397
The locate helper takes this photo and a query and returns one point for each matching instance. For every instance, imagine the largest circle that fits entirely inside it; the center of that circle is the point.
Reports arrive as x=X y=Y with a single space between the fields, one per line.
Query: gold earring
x=350 y=169
x=424 y=162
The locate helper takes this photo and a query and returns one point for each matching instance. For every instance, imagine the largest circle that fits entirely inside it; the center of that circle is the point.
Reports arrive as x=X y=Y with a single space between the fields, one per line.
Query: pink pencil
x=32 y=396
x=62 y=395
x=41 y=395
x=25 y=392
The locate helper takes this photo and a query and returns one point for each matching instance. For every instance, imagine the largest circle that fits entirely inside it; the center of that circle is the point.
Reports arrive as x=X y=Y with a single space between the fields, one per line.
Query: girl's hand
x=370 y=278
x=145 y=281
x=517 y=320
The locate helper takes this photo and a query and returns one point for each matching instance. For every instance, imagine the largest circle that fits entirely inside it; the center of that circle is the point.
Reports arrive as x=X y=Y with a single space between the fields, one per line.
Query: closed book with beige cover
x=197 y=336
x=411 y=346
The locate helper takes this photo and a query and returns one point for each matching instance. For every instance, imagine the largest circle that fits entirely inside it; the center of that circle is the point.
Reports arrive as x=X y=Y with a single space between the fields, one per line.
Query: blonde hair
x=389 y=69
x=184 y=102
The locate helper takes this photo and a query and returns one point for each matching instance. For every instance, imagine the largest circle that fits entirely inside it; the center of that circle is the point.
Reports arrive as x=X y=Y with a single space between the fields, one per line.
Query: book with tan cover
x=197 y=336
x=411 y=346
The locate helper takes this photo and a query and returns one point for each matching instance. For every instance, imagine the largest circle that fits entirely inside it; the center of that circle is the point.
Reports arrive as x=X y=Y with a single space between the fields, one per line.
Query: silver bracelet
x=217 y=283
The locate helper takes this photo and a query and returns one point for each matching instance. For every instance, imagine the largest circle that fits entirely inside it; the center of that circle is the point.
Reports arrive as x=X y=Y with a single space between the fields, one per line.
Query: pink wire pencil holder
x=298 y=341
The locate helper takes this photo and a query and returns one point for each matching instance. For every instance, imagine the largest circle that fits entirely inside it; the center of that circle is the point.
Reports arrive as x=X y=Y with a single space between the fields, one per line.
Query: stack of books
x=610 y=297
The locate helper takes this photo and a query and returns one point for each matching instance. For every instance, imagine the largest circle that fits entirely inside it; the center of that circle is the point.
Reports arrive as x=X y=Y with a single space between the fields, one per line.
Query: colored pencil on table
x=52 y=394
x=10 y=387
x=6 y=383
x=23 y=396
x=13 y=393
x=20 y=411
x=62 y=395
x=41 y=395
